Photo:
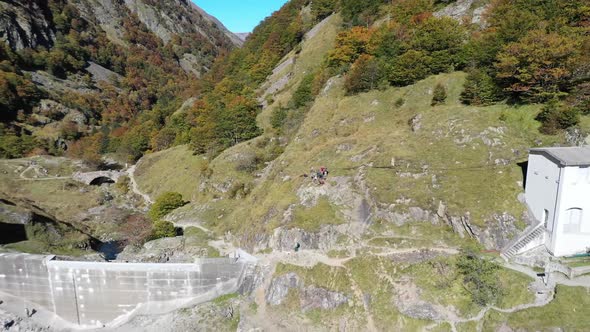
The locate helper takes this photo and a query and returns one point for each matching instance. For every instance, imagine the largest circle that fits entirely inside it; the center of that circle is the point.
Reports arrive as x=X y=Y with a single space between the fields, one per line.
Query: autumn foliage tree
x=364 y=75
x=538 y=67
x=350 y=44
x=88 y=148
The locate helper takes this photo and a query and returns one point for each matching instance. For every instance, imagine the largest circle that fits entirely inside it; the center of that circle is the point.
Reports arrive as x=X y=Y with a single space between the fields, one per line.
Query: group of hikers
x=320 y=175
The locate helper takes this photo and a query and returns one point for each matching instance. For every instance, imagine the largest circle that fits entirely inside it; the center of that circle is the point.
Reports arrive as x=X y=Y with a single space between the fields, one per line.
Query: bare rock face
x=319 y=298
x=576 y=137
x=25 y=24
x=416 y=123
x=178 y=17
x=286 y=239
x=280 y=286
x=464 y=8
x=13 y=215
x=310 y=297
x=498 y=232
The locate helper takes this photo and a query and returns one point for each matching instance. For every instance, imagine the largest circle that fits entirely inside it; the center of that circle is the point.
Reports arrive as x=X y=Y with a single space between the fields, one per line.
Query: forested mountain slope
x=72 y=68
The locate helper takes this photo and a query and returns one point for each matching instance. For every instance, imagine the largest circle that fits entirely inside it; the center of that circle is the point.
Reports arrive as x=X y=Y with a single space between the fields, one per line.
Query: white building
x=558 y=195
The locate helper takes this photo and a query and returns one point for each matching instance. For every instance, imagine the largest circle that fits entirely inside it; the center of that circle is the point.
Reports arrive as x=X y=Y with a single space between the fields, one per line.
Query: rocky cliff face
x=29 y=24
x=26 y=24
x=168 y=18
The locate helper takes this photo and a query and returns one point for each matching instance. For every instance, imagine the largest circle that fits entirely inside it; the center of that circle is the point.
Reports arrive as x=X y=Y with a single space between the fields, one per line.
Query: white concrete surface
x=96 y=294
x=559 y=197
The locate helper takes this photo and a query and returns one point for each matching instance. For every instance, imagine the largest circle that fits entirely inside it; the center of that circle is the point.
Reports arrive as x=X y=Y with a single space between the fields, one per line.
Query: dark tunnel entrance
x=101 y=180
x=524 y=167
x=12 y=233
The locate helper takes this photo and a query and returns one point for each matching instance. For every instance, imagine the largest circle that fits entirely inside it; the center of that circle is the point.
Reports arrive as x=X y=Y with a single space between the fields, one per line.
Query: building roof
x=566 y=156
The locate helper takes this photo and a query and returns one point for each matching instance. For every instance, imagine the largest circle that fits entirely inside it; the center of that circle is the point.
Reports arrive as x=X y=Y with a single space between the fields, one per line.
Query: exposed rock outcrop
x=280 y=286
x=26 y=24
x=464 y=8
x=319 y=298
x=286 y=239
x=310 y=297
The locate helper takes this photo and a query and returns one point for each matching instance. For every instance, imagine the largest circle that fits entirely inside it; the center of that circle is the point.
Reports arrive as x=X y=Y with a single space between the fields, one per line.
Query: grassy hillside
x=445 y=160
x=463 y=157
x=569 y=312
x=176 y=169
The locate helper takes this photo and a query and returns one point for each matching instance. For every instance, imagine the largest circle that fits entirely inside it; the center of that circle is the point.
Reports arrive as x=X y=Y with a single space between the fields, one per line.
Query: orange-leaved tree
x=539 y=66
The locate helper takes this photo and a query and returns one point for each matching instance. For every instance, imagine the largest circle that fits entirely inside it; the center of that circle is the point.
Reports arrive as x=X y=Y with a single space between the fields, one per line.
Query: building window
x=573 y=220
x=545 y=218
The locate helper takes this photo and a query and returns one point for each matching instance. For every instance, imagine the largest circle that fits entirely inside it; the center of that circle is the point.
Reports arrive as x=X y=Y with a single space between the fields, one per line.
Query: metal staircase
x=515 y=246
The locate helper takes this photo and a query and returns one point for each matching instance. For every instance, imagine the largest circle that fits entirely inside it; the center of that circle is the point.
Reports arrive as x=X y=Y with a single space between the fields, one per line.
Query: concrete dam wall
x=93 y=293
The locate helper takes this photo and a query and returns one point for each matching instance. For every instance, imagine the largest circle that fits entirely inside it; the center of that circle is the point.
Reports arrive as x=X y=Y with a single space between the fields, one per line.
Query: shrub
x=409 y=68
x=323 y=8
x=555 y=116
x=165 y=203
x=303 y=94
x=15 y=146
x=136 y=230
x=356 y=12
x=399 y=102
x=70 y=131
x=123 y=184
x=163 y=229
x=439 y=95
x=480 y=89
x=248 y=162
x=350 y=45
x=480 y=278
x=278 y=117
x=364 y=75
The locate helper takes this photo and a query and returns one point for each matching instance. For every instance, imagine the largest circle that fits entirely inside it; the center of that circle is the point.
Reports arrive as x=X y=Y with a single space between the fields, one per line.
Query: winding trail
x=47 y=178
x=135 y=187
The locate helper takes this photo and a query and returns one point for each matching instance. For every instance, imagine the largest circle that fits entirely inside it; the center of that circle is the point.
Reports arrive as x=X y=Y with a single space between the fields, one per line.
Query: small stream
x=110 y=249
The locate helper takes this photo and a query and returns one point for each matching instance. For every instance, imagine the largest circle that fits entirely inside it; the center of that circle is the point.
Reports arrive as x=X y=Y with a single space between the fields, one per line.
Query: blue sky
x=240 y=15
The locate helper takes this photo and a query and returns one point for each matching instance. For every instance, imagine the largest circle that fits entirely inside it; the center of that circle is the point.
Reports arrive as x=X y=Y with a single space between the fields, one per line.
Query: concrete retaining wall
x=92 y=293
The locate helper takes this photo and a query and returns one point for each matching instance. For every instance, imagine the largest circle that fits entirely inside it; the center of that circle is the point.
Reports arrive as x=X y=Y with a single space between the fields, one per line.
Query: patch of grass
x=41 y=247
x=441 y=283
x=253 y=307
x=225 y=298
x=576 y=262
x=568 y=312
x=515 y=286
x=367 y=273
x=311 y=219
x=196 y=237
x=414 y=234
x=321 y=275
x=65 y=199
x=466 y=327
x=329 y=318
x=176 y=169
x=338 y=253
